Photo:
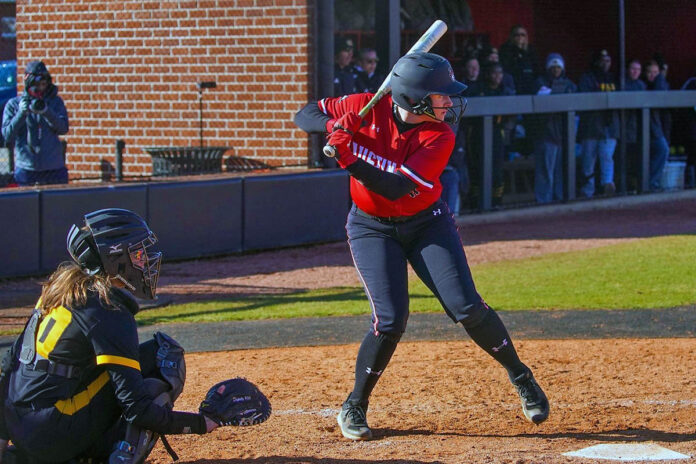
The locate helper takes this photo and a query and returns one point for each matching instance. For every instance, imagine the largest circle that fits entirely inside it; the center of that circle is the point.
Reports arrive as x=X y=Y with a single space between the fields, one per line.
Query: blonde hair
x=69 y=285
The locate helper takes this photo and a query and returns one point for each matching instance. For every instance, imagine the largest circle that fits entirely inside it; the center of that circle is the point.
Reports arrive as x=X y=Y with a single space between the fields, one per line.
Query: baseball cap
x=342 y=43
x=555 y=59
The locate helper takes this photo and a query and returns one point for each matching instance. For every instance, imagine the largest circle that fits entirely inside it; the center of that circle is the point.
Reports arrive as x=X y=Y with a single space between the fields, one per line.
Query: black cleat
x=353 y=421
x=535 y=405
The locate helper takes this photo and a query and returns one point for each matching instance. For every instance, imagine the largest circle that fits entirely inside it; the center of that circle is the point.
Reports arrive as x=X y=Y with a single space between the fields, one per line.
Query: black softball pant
x=431 y=244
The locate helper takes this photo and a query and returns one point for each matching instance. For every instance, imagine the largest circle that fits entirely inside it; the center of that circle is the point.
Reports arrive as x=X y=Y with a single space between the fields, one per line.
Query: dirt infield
x=447 y=402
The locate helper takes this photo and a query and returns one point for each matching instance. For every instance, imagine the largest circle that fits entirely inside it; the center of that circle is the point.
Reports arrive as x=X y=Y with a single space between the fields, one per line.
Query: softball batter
x=395 y=157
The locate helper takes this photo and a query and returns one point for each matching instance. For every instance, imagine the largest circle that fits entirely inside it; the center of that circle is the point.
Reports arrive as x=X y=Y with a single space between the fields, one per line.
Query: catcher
x=77 y=384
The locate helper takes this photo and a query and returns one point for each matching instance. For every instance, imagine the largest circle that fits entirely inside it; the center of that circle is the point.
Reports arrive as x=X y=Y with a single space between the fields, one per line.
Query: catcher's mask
x=36 y=73
x=416 y=76
x=119 y=243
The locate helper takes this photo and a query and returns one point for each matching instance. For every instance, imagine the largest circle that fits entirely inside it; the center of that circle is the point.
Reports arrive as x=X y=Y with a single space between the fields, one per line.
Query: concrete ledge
x=592 y=204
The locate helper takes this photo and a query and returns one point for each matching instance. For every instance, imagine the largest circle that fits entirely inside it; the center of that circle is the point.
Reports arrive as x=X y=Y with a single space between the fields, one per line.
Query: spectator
x=659 y=130
x=598 y=130
x=455 y=177
x=33 y=121
x=633 y=83
x=548 y=147
x=344 y=72
x=660 y=60
x=368 y=79
x=690 y=137
x=489 y=56
x=471 y=70
x=491 y=85
x=519 y=58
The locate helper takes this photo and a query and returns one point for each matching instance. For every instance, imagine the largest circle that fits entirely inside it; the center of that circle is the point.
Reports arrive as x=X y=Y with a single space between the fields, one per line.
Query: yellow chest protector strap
x=33 y=361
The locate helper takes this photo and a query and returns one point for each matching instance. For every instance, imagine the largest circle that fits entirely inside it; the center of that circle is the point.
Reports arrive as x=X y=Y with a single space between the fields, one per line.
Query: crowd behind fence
x=529 y=134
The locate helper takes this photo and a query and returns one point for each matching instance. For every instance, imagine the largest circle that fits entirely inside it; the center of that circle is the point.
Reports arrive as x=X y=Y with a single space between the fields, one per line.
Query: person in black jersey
x=77 y=384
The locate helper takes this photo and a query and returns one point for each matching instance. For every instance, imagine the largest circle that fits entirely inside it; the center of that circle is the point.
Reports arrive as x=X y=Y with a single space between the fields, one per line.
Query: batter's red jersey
x=420 y=154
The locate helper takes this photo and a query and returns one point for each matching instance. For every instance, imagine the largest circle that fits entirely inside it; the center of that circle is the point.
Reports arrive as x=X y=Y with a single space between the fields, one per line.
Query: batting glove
x=342 y=135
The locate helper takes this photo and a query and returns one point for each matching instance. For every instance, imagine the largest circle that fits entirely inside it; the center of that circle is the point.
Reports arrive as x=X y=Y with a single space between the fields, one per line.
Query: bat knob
x=329 y=150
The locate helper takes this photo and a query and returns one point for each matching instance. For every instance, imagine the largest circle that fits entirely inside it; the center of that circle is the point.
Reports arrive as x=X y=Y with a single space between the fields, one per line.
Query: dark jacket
x=365 y=83
x=660 y=120
x=522 y=65
x=593 y=123
x=690 y=113
x=550 y=127
x=344 y=80
x=632 y=125
x=502 y=125
x=35 y=136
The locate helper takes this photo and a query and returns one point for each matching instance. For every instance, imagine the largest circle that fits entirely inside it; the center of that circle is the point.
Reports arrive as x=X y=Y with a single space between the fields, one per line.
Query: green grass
x=650 y=273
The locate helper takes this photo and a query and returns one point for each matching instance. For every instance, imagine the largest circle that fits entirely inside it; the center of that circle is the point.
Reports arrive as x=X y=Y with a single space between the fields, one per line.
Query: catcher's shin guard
x=137 y=445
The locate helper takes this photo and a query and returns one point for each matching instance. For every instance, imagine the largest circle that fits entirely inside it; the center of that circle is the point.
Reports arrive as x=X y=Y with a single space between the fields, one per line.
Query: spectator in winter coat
x=489 y=56
x=660 y=122
x=633 y=84
x=598 y=130
x=344 y=72
x=368 y=79
x=519 y=58
x=33 y=121
x=548 y=146
x=471 y=69
x=490 y=85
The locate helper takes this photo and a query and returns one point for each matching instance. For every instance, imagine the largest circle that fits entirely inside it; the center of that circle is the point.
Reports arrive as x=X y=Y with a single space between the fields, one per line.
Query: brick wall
x=128 y=70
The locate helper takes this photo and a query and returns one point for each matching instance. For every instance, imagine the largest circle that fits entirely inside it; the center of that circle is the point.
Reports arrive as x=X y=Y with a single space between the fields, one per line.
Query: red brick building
x=129 y=70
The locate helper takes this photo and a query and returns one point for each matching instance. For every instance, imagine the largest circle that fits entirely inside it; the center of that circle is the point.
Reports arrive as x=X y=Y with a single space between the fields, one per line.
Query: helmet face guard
x=146 y=262
x=453 y=114
x=120 y=244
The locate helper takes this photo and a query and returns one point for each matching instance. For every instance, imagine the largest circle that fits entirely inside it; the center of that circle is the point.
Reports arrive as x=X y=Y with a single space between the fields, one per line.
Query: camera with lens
x=37 y=105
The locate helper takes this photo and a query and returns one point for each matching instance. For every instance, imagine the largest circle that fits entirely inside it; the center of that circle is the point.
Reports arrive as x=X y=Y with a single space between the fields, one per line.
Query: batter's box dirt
x=447 y=402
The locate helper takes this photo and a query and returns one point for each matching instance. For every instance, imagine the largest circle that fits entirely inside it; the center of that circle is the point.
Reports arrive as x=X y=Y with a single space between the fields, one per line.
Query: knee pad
x=170 y=363
x=475 y=314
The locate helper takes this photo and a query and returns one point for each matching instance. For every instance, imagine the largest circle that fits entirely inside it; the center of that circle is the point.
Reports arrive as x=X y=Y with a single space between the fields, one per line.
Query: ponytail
x=69 y=286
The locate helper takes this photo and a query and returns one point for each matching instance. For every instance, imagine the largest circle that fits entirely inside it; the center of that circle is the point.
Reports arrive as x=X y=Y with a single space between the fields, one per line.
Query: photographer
x=32 y=122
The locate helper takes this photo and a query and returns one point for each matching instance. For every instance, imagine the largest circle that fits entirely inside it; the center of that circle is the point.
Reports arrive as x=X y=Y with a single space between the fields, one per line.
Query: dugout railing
x=571 y=104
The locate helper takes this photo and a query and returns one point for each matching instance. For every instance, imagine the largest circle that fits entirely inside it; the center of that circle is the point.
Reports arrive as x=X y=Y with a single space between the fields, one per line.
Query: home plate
x=627 y=452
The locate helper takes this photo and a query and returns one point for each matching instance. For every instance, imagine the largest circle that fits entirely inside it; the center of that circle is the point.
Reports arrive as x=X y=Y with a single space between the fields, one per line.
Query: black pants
x=432 y=246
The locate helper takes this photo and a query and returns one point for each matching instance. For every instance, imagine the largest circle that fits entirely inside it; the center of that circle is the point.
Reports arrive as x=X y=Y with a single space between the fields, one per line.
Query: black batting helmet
x=416 y=76
x=119 y=243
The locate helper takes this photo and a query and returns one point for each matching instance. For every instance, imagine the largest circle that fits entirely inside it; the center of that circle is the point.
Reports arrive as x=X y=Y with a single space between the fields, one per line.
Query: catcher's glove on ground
x=235 y=402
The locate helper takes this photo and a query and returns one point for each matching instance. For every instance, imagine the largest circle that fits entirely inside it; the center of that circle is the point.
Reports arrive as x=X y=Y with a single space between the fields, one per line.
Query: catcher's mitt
x=235 y=402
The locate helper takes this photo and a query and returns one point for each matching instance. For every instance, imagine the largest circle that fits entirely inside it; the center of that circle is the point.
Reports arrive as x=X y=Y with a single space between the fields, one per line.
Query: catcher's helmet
x=117 y=242
x=416 y=76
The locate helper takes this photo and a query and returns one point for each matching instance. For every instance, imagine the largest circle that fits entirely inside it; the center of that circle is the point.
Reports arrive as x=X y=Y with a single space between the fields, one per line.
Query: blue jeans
x=450 y=188
x=591 y=150
x=548 y=172
x=25 y=177
x=659 y=152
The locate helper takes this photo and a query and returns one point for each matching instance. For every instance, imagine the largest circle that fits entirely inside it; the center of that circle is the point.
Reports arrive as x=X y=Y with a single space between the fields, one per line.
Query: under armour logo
x=115 y=249
x=437 y=212
x=503 y=345
x=370 y=371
